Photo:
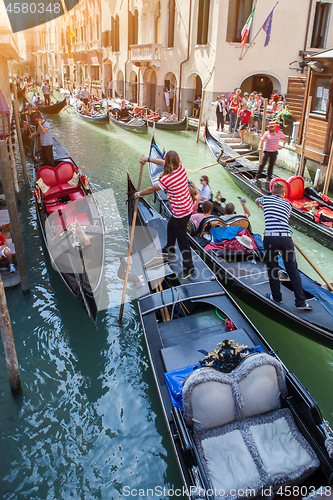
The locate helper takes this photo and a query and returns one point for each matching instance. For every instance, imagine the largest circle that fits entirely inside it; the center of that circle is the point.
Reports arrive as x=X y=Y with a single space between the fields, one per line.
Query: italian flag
x=246 y=29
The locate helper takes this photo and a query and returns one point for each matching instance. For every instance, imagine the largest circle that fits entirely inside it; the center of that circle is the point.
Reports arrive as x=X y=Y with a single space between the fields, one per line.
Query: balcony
x=146 y=53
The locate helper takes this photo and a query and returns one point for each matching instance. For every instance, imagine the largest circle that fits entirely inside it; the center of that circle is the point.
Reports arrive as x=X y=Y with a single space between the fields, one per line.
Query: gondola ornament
x=227 y=356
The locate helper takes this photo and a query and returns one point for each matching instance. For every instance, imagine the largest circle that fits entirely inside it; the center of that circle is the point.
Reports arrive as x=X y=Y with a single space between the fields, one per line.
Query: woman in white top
x=205 y=192
x=167 y=99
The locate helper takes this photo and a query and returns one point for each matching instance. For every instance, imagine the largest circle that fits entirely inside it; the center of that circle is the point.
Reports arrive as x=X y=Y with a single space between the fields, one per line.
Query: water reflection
x=90 y=421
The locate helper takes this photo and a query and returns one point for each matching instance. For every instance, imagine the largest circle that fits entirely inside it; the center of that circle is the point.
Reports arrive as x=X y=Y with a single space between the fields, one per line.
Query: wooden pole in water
x=8 y=188
x=200 y=116
x=330 y=287
x=9 y=344
x=19 y=136
x=263 y=126
x=130 y=247
x=328 y=172
x=12 y=160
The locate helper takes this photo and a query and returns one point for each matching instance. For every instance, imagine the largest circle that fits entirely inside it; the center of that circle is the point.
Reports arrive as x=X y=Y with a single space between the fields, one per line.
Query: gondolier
x=46 y=92
x=85 y=95
x=174 y=181
x=272 y=139
x=46 y=141
x=277 y=238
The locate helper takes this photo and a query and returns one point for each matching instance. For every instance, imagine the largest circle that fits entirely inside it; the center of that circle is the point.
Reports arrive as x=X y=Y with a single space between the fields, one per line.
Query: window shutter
x=231 y=20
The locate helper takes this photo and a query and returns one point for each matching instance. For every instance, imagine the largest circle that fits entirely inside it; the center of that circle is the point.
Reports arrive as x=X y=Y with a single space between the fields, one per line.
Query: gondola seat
x=245 y=440
x=280 y=180
x=58 y=182
x=294 y=192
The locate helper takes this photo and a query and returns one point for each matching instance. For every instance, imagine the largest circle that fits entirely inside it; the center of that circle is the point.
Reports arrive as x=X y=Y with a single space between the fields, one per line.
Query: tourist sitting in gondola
x=230 y=210
x=207 y=208
x=5 y=253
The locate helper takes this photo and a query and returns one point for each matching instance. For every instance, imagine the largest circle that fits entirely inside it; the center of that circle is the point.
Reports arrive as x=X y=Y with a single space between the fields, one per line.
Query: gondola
x=137 y=125
x=304 y=204
x=233 y=411
x=244 y=273
x=54 y=108
x=72 y=227
x=173 y=125
x=98 y=119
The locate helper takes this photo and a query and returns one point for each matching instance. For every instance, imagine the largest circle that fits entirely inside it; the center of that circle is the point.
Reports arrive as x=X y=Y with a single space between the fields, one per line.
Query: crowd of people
x=245 y=111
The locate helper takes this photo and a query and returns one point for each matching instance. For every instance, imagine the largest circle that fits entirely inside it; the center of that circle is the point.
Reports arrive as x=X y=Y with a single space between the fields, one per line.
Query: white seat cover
x=230 y=464
x=260 y=391
x=279 y=450
x=212 y=405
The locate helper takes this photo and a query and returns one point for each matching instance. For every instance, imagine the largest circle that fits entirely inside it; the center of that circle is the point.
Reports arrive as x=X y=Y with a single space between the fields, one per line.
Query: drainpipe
x=187 y=58
x=306 y=33
x=125 y=93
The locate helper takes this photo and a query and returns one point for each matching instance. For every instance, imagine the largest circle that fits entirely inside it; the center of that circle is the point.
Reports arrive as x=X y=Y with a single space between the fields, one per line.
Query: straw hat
x=245 y=241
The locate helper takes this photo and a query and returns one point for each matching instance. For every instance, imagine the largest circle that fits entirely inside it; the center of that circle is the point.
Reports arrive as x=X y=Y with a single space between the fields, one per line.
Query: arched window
x=203 y=22
x=62 y=39
x=97 y=27
x=90 y=28
x=82 y=33
x=171 y=23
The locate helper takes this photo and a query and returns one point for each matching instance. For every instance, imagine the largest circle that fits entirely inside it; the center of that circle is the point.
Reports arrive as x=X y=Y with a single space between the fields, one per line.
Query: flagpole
x=254 y=8
x=241 y=56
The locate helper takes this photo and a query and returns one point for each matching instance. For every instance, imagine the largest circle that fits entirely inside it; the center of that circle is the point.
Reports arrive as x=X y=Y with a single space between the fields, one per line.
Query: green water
x=89 y=422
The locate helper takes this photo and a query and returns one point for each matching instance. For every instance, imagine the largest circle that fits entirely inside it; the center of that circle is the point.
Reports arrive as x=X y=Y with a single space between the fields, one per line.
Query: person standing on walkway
x=244 y=115
x=46 y=141
x=277 y=238
x=167 y=99
x=174 y=181
x=46 y=92
x=220 y=113
x=172 y=97
x=233 y=112
x=110 y=87
x=272 y=144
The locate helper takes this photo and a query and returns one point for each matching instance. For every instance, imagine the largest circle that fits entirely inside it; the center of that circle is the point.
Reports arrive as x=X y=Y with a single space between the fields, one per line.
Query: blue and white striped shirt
x=276 y=212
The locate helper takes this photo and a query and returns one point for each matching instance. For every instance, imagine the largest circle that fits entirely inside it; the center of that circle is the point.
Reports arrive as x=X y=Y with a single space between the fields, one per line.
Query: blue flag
x=267 y=26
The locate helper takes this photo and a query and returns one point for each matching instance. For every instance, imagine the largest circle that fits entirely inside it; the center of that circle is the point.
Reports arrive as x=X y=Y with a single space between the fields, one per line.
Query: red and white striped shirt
x=272 y=140
x=179 y=195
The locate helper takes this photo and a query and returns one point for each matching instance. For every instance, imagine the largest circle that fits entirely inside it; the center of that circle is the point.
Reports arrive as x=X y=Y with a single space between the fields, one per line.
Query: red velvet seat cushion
x=76 y=196
x=47 y=174
x=54 y=208
x=296 y=187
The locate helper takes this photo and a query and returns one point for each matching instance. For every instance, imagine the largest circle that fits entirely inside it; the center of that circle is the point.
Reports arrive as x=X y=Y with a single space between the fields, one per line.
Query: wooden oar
x=224 y=161
x=313 y=266
x=130 y=248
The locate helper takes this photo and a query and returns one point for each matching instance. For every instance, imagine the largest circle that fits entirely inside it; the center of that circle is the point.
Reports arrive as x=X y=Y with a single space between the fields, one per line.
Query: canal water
x=89 y=423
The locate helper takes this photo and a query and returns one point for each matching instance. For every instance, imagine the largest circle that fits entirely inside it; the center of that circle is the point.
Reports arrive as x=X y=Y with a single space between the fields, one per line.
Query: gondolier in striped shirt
x=271 y=138
x=174 y=181
x=277 y=239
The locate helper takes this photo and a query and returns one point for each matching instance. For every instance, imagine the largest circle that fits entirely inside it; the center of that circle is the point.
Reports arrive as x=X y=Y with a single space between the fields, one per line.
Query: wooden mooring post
x=19 y=136
x=8 y=188
x=9 y=344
